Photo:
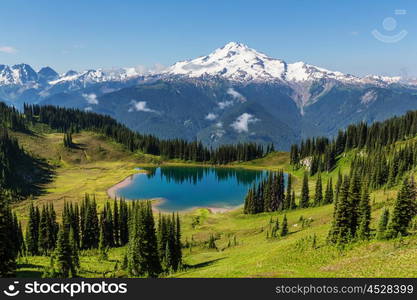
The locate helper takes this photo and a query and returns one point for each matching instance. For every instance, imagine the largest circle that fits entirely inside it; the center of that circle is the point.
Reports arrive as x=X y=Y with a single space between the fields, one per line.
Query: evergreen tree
x=382 y=225
x=341 y=226
x=328 y=195
x=354 y=199
x=293 y=205
x=8 y=250
x=102 y=245
x=318 y=196
x=90 y=225
x=74 y=250
x=63 y=265
x=284 y=227
x=116 y=225
x=305 y=197
x=32 y=231
x=404 y=209
x=123 y=222
x=178 y=245
x=143 y=258
x=287 y=202
x=364 y=215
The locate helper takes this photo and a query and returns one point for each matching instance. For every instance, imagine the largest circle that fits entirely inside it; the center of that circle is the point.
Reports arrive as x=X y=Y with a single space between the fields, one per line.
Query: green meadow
x=242 y=248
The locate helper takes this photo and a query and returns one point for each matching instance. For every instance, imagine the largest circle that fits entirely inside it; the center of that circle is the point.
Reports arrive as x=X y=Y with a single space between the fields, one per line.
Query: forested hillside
x=322 y=207
x=20 y=173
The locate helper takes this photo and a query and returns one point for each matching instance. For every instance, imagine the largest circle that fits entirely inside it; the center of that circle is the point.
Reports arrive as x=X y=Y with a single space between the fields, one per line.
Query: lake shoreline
x=156 y=202
x=112 y=191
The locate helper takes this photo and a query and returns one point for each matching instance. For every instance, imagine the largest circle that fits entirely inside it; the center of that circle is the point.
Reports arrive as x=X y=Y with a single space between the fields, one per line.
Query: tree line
x=271 y=194
x=352 y=212
x=73 y=120
x=323 y=152
x=12 y=157
x=151 y=250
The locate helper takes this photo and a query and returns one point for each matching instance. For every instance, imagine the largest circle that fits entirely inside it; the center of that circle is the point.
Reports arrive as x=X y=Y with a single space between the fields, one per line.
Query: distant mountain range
x=233 y=94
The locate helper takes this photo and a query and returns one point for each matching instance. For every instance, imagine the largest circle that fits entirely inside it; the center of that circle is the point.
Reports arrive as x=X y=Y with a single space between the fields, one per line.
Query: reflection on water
x=188 y=187
x=195 y=175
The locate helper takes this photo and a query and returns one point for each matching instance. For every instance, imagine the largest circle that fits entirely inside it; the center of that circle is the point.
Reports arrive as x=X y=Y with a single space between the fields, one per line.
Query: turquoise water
x=184 y=188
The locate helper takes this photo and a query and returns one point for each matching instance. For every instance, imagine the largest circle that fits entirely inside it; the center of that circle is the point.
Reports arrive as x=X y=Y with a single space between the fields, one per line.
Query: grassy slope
x=97 y=164
x=92 y=167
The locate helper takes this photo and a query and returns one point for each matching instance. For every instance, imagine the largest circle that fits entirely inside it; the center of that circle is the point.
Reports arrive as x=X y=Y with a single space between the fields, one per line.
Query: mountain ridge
x=234 y=94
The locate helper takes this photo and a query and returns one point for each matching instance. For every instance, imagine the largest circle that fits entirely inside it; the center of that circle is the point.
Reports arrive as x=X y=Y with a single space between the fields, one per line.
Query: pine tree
x=63 y=264
x=123 y=222
x=404 y=209
x=178 y=245
x=364 y=215
x=284 y=227
x=90 y=225
x=8 y=251
x=287 y=202
x=338 y=186
x=354 y=199
x=102 y=245
x=341 y=225
x=43 y=233
x=32 y=232
x=143 y=258
x=68 y=140
x=382 y=225
x=116 y=225
x=293 y=205
x=305 y=197
x=275 y=228
x=74 y=249
x=318 y=196
x=328 y=195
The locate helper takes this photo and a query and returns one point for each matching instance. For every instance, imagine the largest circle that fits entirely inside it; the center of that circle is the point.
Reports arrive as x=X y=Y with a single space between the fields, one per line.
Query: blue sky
x=90 y=34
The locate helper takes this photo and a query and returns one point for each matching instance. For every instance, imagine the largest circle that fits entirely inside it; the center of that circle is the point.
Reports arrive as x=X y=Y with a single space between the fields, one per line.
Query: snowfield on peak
x=238 y=62
x=99 y=75
x=234 y=61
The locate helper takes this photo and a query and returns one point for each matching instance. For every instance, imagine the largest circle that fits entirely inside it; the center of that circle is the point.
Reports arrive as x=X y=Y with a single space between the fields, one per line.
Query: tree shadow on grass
x=35 y=273
x=203 y=264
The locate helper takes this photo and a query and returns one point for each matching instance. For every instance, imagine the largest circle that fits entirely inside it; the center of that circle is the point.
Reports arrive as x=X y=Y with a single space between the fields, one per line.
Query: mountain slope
x=233 y=94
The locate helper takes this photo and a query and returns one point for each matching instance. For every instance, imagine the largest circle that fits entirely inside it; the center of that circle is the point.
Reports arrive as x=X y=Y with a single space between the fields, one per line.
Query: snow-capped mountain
x=234 y=62
x=97 y=76
x=234 y=94
x=238 y=62
x=17 y=74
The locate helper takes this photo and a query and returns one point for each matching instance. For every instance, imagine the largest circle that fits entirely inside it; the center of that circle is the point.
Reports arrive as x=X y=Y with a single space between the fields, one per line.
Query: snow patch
x=369 y=97
x=219 y=131
x=235 y=94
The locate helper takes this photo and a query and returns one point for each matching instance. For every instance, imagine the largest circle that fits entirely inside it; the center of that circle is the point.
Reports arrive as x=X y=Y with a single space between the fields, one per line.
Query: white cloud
x=8 y=49
x=235 y=94
x=156 y=68
x=91 y=98
x=218 y=132
x=224 y=104
x=211 y=117
x=242 y=122
x=89 y=108
x=141 y=106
